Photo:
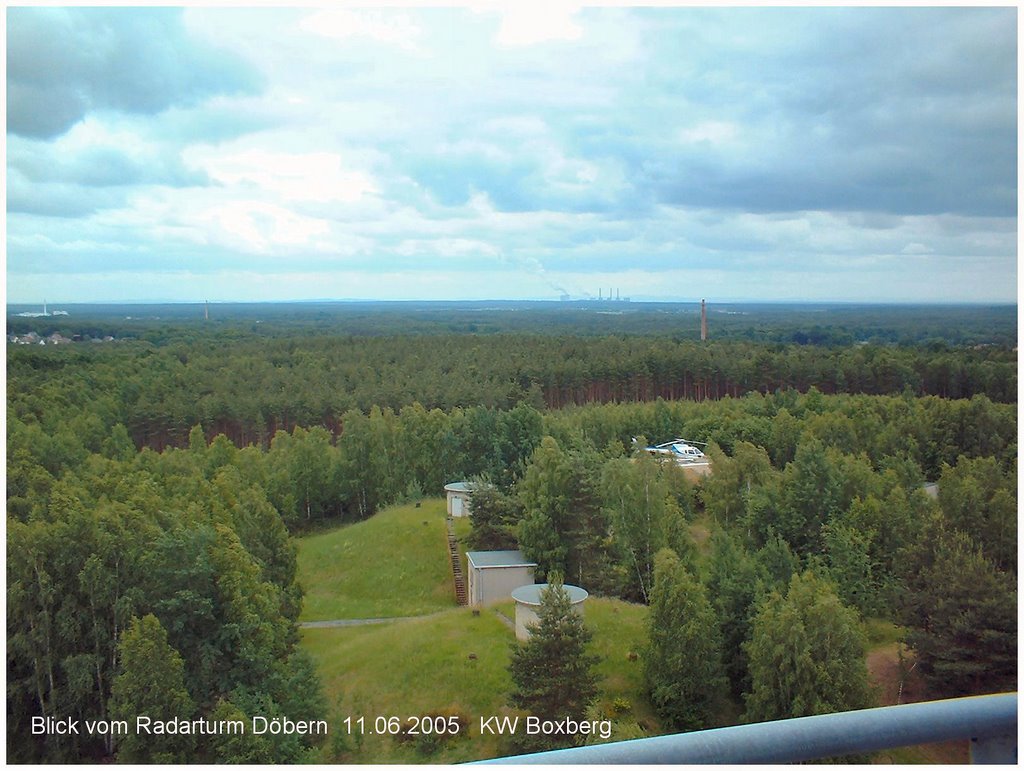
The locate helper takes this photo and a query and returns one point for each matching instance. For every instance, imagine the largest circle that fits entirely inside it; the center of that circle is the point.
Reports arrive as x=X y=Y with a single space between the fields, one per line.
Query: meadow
x=447 y=660
x=388 y=566
x=451 y=661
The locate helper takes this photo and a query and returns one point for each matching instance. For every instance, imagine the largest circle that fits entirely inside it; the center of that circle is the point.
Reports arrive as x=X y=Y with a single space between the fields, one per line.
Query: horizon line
x=552 y=301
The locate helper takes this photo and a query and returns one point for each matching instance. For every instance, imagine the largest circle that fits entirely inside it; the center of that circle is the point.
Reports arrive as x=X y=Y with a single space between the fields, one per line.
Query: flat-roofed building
x=494 y=574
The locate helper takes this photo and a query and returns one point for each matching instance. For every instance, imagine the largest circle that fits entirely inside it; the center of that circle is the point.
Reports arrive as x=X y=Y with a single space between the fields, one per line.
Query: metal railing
x=989 y=722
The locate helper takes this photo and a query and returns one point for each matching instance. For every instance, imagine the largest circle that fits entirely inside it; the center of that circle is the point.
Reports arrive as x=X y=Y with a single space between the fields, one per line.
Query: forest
x=156 y=486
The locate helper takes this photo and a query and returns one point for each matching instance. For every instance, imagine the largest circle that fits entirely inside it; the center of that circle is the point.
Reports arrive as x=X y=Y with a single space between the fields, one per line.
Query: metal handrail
x=990 y=722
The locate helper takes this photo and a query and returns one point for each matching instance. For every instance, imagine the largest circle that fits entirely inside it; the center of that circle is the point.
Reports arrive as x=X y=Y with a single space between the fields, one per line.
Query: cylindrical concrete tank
x=528 y=603
x=458 y=494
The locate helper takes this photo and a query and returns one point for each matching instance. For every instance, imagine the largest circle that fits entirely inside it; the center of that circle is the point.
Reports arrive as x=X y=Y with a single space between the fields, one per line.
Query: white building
x=458 y=494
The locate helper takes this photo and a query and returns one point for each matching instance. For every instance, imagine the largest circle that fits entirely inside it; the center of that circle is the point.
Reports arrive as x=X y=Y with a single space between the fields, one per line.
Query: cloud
x=917 y=248
x=290 y=177
x=668 y=146
x=65 y=62
x=56 y=200
x=344 y=24
x=524 y=25
x=713 y=132
x=92 y=154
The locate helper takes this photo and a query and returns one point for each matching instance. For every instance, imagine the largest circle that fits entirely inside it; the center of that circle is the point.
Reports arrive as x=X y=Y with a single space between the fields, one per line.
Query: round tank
x=527 y=600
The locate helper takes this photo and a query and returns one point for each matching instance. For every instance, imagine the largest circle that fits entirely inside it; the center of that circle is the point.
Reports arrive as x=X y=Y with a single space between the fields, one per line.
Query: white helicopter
x=682 y=451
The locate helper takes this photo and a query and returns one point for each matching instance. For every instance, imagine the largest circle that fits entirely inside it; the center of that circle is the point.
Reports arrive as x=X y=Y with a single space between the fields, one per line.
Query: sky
x=518 y=151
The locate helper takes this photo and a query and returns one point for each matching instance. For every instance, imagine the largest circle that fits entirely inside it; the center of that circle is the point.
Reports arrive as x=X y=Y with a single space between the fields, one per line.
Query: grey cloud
x=64 y=62
x=99 y=166
x=42 y=112
x=902 y=111
x=514 y=177
x=58 y=200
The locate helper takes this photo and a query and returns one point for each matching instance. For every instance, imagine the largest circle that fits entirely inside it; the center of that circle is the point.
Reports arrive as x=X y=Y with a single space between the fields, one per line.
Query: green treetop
x=552 y=673
x=806 y=654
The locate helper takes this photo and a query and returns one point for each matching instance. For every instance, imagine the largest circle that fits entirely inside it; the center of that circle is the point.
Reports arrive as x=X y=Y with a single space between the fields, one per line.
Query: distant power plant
x=600 y=297
x=37 y=314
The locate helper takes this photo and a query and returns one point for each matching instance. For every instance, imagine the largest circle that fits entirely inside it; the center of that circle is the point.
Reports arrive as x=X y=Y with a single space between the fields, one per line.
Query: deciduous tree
x=682 y=662
x=806 y=654
x=151 y=683
x=644 y=516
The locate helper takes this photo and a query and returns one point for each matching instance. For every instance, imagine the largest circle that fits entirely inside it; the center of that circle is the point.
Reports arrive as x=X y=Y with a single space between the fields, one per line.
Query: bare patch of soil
x=887 y=674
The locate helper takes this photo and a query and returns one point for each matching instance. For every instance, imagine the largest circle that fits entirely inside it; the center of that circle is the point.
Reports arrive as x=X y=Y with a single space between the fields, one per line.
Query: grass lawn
x=414 y=667
x=619 y=630
x=423 y=666
x=393 y=564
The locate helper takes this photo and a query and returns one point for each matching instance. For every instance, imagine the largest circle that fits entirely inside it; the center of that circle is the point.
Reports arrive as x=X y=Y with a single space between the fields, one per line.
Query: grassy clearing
x=619 y=630
x=393 y=564
x=880 y=632
x=423 y=666
x=414 y=667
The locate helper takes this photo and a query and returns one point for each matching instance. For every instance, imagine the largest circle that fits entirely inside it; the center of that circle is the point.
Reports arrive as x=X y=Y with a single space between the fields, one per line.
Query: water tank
x=528 y=603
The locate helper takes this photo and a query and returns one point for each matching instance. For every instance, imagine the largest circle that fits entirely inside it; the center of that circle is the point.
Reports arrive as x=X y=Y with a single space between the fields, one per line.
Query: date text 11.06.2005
x=414 y=725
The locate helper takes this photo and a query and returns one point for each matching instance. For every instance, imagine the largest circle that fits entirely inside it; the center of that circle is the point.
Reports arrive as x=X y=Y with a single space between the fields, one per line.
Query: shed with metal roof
x=494 y=574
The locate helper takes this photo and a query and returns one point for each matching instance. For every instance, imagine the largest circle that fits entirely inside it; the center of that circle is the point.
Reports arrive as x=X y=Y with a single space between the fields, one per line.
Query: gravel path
x=506 y=620
x=352 y=622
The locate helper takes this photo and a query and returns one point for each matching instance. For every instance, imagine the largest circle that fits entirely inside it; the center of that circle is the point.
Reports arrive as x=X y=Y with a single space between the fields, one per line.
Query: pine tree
x=546 y=494
x=961 y=615
x=563 y=527
x=552 y=672
x=682 y=663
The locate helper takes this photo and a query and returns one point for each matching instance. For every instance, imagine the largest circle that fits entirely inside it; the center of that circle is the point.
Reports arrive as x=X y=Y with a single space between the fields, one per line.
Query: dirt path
x=364 y=621
x=886 y=672
x=352 y=622
x=505 y=620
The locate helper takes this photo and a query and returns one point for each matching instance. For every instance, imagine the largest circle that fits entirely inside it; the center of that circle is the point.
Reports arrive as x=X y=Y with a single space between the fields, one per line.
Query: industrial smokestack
x=703 y=321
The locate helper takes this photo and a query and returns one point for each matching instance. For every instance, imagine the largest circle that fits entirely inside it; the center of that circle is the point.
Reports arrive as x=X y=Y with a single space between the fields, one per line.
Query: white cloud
x=259 y=227
x=714 y=132
x=529 y=24
x=342 y=24
x=447 y=247
x=313 y=176
x=917 y=248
